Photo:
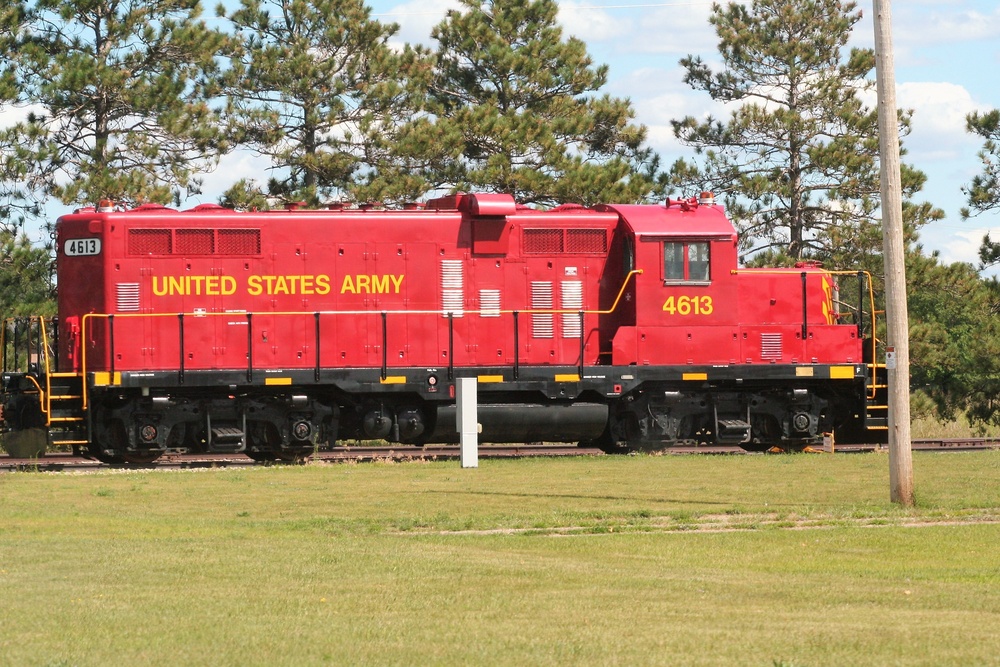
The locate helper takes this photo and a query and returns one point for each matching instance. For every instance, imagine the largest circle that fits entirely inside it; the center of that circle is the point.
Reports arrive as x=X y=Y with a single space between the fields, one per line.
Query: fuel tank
x=528 y=422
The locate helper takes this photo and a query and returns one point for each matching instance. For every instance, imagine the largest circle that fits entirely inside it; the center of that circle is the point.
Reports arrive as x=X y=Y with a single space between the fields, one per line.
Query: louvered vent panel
x=572 y=299
x=489 y=303
x=587 y=241
x=452 y=300
x=770 y=346
x=543 y=241
x=239 y=242
x=128 y=297
x=542 y=324
x=195 y=241
x=149 y=242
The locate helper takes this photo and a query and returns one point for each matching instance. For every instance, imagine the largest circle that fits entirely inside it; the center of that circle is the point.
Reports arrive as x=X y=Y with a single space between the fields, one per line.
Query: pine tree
x=124 y=114
x=797 y=160
x=11 y=27
x=983 y=194
x=954 y=338
x=315 y=86
x=26 y=287
x=15 y=198
x=515 y=105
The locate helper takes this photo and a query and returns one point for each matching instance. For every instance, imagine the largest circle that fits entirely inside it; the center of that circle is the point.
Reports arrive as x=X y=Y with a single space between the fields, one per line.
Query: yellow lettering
x=253 y=286
x=307 y=285
x=322 y=284
x=175 y=285
x=280 y=286
x=688 y=305
x=365 y=283
x=228 y=286
x=348 y=286
x=396 y=282
x=380 y=284
x=159 y=290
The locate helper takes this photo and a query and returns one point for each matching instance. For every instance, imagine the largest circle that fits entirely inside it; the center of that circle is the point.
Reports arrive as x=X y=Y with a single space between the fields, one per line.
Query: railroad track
x=64 y=462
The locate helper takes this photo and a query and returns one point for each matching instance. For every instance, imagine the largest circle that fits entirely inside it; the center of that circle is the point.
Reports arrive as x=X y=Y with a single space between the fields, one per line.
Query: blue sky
x=947 y=57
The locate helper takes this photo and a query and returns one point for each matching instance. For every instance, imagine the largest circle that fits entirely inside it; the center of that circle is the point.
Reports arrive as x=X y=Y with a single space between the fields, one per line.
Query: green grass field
x=696 y=560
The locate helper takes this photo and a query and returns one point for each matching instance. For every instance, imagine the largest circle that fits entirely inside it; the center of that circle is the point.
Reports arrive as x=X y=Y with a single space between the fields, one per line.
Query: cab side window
x=686 y=261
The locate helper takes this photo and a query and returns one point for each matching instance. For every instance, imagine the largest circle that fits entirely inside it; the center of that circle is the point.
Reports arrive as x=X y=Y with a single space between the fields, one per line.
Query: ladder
x=877 y=399
x=63 y=405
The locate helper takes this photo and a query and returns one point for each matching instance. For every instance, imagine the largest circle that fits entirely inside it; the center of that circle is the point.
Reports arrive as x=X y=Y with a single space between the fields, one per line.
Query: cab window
x=686 y=261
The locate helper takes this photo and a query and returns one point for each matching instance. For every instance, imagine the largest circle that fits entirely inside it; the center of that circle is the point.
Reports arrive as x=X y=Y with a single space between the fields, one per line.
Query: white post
x=467 y=420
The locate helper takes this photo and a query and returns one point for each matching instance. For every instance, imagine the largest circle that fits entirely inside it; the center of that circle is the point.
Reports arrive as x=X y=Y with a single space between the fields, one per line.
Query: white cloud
x=592 y=24
x=959 y=246
x=938 y=125
x=415 y=19
x=916 y=27
x=231 y=168
x=15 y=113
x=676 y=29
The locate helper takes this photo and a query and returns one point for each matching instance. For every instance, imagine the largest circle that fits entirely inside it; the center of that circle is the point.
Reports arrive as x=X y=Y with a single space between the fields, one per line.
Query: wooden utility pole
x=900 y=456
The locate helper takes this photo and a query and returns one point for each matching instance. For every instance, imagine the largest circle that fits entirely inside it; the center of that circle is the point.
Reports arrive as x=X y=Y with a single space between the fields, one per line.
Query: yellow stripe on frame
x=567 y=378
x=394 y=379
x=490 y=378
x=841 y=372
x=277 y=381
x=804 y=371
x=103 y=378
x=694 y=376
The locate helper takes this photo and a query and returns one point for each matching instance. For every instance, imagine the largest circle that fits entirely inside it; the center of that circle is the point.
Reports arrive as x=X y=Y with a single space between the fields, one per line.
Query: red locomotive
x=271 y=333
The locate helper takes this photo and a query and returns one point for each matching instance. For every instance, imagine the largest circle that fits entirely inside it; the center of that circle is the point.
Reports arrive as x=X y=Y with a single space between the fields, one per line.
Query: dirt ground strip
x=724 y=523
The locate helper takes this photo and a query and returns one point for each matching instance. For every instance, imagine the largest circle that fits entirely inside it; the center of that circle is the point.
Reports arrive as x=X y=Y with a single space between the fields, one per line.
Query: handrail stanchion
x=316 y=317
x=385 y=351
x=249 y=347
x=805 y=309
x=111 y=342
x=180 y=336
x=451 y=345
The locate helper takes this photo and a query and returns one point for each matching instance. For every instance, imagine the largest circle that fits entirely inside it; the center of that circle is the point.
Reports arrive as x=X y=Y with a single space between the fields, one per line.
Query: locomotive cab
x=752 y=357
x=685 y=296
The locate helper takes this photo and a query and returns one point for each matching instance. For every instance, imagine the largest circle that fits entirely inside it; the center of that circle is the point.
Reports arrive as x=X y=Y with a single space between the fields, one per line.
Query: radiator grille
x=770 y=346
x=543 y=241
x=572 y=299
x=150 y=242
x=542 y=324
x=556 y=241
x=239 y=242
x=128 y=297
x=587 y=241
x=489 y=303
x=452 y=299
x=195 y=241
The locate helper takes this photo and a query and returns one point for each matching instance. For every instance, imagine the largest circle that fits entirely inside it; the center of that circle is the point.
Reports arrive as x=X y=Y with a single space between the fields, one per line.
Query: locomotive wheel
x=272 y=455
x=293 y=455
x=141 y=458
x=260 y=456
x=608 y=443
x=96 y=451
x=118 y=443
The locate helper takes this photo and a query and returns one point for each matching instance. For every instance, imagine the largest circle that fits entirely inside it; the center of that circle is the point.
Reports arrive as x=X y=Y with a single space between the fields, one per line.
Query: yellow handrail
x=531 y=311
x=871 y=300
x=45 y=394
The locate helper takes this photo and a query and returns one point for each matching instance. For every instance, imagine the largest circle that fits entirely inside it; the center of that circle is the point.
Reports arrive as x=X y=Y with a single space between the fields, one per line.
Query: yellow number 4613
x=688 y=305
